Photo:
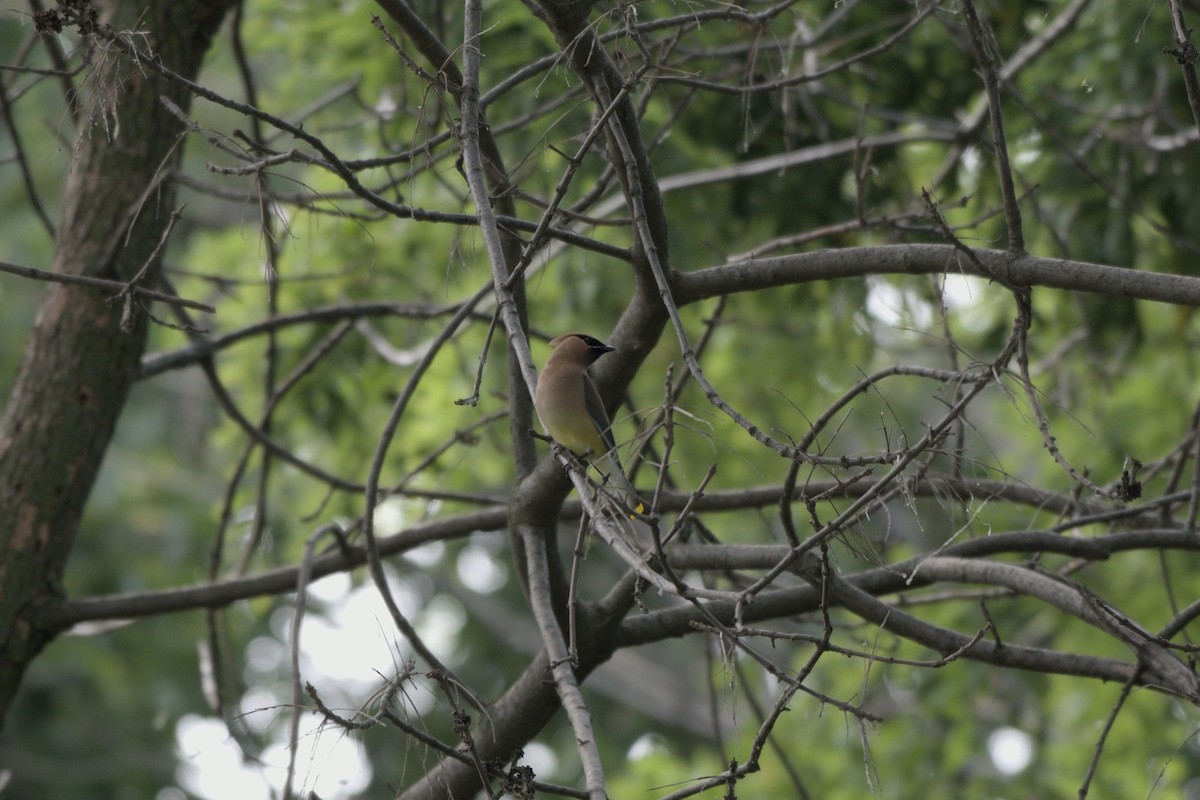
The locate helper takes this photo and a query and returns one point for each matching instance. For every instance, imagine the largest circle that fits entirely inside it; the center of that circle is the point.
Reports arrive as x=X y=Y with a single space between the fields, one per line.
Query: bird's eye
x=592 y=341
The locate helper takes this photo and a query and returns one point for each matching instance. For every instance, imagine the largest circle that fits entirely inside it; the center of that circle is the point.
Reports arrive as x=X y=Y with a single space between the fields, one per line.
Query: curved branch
x=936 y=259
x=135 y=605
x=202 y=348
x=1158 y=667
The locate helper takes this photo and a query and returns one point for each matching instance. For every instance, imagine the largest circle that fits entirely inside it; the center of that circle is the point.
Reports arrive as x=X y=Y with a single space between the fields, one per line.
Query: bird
x=572 y=412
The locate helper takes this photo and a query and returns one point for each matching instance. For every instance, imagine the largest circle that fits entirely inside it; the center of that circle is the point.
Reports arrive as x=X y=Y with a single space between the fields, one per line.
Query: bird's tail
x=610 y=465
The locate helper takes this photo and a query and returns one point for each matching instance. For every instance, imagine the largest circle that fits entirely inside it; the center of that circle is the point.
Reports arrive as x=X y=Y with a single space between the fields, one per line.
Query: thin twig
x=1185 y=55
x=982 y=43
x=102 y=283
x=1108 y=726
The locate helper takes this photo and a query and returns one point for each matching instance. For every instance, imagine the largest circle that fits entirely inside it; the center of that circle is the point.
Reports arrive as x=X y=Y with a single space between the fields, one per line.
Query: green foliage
x=1121 y=386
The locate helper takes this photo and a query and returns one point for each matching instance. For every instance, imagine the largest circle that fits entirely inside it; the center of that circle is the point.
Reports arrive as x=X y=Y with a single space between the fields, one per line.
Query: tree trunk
x=79 y=364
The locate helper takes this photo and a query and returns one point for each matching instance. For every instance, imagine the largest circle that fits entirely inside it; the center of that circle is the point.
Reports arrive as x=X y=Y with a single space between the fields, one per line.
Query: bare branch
x=102 y=283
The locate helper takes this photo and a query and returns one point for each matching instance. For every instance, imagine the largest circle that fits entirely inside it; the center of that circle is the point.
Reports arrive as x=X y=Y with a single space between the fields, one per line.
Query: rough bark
x=78 y=363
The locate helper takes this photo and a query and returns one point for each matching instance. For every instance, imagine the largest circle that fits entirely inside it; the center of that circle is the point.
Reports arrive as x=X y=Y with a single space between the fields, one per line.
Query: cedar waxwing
x=573 y=414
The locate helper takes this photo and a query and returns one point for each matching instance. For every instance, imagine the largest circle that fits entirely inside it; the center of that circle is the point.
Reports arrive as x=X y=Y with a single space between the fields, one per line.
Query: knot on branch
x=78 y=13
x=1184 y=56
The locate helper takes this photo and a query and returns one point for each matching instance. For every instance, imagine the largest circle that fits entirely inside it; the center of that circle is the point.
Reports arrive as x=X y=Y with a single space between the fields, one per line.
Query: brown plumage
x=573 y=413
